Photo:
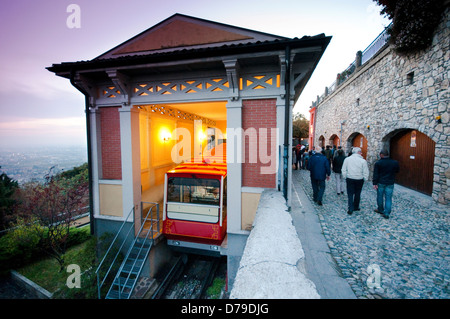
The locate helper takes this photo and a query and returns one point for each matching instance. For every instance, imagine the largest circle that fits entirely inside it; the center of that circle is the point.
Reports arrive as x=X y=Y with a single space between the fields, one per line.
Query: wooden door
x=415 y=153
x=335 y=140
x=322 y=141
x=361 y=142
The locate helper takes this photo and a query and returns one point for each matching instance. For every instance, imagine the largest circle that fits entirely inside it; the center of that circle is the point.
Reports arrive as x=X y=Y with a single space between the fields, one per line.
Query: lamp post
x=340 y=139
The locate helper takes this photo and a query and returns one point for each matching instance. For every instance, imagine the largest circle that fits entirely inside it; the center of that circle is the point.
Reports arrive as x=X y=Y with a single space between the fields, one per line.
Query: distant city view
x=25 y=164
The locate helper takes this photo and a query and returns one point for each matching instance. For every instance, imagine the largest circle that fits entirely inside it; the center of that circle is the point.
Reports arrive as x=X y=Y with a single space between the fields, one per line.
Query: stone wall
x=392 y=92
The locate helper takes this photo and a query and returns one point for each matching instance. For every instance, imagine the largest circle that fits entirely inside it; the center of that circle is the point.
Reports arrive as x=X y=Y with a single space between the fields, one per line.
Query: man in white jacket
x=355 y=171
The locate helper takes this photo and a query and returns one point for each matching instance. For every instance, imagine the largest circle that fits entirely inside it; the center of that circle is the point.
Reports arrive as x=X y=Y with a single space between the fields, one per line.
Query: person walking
x=328 y=154
x=355 y=171
x=319 y=171
x=384 y=172
x=298 y=156
x=305 y=158
x=338 y=161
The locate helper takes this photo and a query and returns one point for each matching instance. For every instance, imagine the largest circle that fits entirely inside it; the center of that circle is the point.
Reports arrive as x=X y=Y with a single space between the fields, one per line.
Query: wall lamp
x=438 y=119
x=166 y=136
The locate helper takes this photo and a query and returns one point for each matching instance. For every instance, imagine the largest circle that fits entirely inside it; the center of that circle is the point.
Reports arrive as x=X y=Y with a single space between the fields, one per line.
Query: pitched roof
x=182 y=37
x=180 y=31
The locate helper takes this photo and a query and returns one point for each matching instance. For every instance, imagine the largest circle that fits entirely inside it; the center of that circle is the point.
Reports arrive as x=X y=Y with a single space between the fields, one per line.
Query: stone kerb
x=34 y=289
x=269 y=268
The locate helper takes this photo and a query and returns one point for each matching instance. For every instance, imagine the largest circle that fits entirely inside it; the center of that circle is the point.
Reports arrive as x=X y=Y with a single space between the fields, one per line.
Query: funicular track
x=189 y=277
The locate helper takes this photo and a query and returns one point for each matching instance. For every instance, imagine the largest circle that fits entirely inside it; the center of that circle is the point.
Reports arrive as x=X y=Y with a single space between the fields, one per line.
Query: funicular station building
x=218 y=83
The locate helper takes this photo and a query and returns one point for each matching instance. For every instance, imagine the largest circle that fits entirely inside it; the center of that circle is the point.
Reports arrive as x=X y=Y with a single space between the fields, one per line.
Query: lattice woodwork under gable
x=259 y=82
x=163 y=110
x=109 y=92
x=217 y=84
x=180 y=88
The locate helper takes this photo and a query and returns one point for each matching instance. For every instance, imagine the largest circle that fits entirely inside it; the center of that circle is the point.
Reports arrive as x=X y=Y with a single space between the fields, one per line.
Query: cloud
x=70 y=130
x=33 y=80
x=44 y=124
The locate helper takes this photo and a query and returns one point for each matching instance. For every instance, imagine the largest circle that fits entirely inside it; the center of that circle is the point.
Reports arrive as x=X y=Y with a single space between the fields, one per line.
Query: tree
x=413 y=22
x=300 y=126
x=54 y=204
x=8 y=188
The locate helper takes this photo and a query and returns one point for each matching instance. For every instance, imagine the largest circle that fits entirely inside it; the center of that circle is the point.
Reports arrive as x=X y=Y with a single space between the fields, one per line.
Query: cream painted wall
x=249 y=206
x=111 y=200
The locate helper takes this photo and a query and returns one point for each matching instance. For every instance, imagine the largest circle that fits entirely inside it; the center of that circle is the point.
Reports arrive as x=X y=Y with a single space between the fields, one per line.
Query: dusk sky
x=39 y=108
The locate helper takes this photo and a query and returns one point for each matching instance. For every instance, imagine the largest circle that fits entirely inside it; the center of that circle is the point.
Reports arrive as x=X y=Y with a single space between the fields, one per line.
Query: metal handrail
x=99 y=285
x=370 y=51
x=149 y=231
x=379 y=42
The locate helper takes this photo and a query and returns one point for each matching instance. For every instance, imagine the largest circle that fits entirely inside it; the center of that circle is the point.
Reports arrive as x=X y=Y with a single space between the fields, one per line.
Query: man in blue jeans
x=383 y=181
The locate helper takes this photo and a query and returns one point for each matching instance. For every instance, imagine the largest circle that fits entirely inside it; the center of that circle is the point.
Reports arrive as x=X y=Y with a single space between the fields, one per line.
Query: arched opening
x=322 y=141
x=415 y=153
x=359 y=140
x=334 y=140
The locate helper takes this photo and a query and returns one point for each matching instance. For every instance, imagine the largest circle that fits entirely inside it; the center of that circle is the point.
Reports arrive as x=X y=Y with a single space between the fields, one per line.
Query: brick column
x=260 y=117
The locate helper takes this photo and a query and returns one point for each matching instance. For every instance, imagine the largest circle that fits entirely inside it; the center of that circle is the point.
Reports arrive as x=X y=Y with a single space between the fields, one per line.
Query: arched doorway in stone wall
x=322 y=141
x=415 y=153
x=334 y=140
x=359 y=140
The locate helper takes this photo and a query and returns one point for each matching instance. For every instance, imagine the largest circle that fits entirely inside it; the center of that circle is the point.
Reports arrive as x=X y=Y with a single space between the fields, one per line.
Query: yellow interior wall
x=156 y=153
x=249 y=206
x=160 y=149
x=222 y=126
x=111 y=200
x=144 y=144
x=156 y=156
x=188 y=125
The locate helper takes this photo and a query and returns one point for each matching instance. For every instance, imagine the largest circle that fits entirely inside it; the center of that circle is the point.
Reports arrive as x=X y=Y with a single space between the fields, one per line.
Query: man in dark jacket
x=383 y=181
x=319 y=168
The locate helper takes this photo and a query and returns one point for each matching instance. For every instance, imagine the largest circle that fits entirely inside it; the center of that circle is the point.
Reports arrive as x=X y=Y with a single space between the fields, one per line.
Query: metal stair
x=128 y=274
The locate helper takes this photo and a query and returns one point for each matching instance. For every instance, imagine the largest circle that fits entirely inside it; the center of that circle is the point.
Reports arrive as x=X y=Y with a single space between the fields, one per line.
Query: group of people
x=351 y=172
x=300 y=156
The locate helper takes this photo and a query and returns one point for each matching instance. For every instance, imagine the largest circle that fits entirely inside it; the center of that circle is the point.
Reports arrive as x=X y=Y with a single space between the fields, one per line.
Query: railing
x=72 y=219
x=100 y=282
x=372 y=49
x=146 y=235
x=380 y=41
x=154 y=220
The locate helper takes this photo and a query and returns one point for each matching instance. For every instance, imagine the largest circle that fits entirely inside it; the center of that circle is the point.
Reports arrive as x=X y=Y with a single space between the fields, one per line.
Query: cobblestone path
x=411 y=248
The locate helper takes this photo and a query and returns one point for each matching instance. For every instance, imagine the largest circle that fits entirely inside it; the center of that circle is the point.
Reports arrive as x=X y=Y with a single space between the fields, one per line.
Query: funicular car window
x=193 y=190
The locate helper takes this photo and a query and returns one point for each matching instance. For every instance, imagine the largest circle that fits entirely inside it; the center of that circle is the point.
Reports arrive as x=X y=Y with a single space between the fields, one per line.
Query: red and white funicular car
x=195 y=205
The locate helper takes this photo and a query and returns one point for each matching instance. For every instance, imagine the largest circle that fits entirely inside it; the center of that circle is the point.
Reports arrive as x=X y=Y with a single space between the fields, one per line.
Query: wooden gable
x=180 y=31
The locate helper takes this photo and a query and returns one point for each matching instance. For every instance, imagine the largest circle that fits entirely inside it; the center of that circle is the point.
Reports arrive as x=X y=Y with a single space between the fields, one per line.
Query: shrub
x=24 y=244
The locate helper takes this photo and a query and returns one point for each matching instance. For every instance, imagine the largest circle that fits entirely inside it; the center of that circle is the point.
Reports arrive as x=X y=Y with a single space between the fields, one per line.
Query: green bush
x=78 y=236
x=23 y=244
x=24 y=238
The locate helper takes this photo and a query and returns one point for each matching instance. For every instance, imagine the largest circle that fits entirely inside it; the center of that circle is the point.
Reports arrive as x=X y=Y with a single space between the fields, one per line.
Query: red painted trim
x=194 y=231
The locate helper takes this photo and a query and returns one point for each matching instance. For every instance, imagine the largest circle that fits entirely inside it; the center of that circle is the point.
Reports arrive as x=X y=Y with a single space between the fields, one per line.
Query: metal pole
x=286 y=121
